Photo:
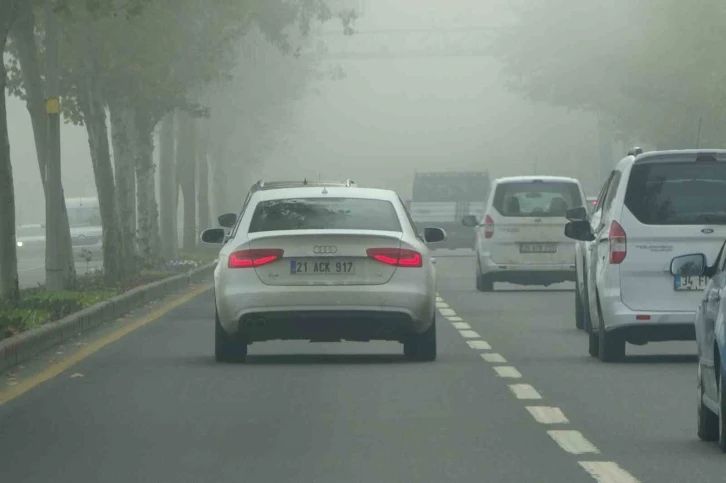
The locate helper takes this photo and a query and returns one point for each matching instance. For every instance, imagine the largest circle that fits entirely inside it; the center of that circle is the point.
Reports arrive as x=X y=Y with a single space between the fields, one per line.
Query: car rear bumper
x=527 y=273
x=658 y=327
x=357 y=312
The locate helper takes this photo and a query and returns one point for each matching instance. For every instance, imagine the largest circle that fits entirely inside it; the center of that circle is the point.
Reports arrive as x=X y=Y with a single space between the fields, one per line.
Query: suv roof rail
x=635 y=151
x=349 y=182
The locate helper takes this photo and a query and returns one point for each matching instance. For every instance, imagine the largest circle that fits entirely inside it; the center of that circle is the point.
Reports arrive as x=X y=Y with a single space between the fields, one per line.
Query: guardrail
x=19 y=348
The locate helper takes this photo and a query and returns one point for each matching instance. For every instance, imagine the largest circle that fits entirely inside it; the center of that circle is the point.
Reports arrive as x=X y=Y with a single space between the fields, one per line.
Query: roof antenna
x=698 y=136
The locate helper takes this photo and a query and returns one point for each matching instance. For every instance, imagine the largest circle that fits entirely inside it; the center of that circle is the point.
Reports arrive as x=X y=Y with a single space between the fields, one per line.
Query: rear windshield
x=533 y=198
x=325 y=214
x=451 y=187
x=684 y=193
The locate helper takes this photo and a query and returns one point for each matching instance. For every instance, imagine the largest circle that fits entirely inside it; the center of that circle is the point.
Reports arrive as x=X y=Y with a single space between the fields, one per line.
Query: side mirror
x=693 y=265
x=576 y=214
x=579 y=230
x=433 y=235
x=227 y=220
x=214 y=236
x=469 y=220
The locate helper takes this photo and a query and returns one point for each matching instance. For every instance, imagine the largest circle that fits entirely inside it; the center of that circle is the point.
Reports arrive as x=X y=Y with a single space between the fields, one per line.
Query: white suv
x=521 y=238
x=654 y=207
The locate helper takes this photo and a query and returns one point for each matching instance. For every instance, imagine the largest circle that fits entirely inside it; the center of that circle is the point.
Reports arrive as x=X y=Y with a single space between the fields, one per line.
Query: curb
x=22 y=347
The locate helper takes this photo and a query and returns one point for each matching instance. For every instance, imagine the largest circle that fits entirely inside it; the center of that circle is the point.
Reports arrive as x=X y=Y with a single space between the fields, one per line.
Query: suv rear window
x=536 y=198
x=324 y=214
x=677 y=193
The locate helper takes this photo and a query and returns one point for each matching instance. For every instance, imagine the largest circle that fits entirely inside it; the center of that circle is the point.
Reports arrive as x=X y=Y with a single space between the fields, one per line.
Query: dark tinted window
x=325 y=213
x=678 y=193
x=451 y=187
x=534 y=198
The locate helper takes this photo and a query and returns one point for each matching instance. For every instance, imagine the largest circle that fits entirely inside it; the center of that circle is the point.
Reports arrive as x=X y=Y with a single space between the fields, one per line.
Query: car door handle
x=603 y=239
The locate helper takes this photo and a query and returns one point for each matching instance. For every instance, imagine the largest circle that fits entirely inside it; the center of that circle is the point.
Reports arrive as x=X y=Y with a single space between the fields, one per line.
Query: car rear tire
x=594 y=344
x=422 y=347
x=612 y=346
x=708 y=422
x=228 y=348
x=579 y=309
x=484 y=284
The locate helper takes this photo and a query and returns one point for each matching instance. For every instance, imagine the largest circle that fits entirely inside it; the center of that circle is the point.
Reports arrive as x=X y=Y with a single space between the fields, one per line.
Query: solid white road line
x=573 y=441
x=447 y=312
x=493 y=357
x=479 y=344
x=607 y=472
x=524 y=391
x=469 y=334
x=547 y=415
x=455 y=318
x=461 y=325
x=507 y=371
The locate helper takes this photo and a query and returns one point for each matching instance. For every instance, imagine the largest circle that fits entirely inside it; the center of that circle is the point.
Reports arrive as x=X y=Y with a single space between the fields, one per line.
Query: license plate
x=322 y=267
x=537 y=248
x=690 y=283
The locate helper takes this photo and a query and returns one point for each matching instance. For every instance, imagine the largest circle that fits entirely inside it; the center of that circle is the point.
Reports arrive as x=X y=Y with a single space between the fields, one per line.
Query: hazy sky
x=387 y=118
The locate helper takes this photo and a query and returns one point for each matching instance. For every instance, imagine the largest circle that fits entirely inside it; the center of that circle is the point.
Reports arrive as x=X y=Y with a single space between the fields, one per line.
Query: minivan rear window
x=677 y=193
x=536 y=198
x=324 y=214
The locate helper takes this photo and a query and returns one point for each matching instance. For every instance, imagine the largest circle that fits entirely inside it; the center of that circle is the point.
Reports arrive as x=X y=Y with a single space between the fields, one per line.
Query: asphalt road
x=154 y=407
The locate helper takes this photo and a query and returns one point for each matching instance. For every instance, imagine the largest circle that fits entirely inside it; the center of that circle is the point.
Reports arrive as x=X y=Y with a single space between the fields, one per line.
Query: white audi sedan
x=324 y=264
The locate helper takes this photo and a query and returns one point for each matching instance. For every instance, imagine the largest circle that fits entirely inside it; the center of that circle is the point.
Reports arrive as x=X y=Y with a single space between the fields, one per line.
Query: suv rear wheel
x=579 y=309
x=708 y=423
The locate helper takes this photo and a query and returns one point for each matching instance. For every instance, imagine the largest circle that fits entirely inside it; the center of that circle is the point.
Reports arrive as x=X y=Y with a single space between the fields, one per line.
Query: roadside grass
x=38 y=306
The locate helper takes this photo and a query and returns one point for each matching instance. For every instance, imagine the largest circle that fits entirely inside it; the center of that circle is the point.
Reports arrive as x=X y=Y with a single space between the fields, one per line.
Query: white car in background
x=324 y=264
x=655 y=206
x=521 y=237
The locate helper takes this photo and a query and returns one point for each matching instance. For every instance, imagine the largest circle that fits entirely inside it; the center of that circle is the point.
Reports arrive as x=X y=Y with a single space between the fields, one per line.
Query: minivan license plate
x=537 y=248
x=322 y=267
x=682 y=283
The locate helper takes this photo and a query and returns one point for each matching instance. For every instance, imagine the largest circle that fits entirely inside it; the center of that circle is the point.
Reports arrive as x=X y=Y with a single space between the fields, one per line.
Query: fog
x=387 y=117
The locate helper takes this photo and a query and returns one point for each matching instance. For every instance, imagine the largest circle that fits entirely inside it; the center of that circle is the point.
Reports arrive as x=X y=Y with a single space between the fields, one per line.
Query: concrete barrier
x=17 y=349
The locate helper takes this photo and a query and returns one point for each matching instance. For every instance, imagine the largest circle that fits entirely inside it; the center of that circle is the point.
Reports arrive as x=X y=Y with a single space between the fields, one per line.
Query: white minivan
x=655 y=206
x=521 y=237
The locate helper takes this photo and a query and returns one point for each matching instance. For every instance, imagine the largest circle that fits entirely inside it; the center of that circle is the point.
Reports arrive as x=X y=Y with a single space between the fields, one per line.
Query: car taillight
x=488 y=227
x=254 y=257
x=398 y=257
x=618 y=243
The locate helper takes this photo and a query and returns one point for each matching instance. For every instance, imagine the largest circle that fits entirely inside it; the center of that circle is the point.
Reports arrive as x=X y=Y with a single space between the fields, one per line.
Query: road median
x=19 y=348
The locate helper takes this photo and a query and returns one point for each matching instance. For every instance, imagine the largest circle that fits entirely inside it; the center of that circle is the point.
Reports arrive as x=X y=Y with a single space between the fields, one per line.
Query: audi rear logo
x=321 y=249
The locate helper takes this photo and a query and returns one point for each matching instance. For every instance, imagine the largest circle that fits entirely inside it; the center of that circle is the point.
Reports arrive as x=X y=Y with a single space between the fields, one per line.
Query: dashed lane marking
x=479 y=344
x=507 y=371
x=469 y=334
x=442 y=305
x=493 y=357
x=455 y=318
x=608 y=472
x=461 y=325
x=524 y=391
x=572 y=441
x=447 y=312
x=547 y=415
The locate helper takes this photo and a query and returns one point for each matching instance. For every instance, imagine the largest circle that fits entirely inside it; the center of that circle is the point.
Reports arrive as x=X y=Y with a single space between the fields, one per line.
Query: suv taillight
x=618 y=243
x=488 y=227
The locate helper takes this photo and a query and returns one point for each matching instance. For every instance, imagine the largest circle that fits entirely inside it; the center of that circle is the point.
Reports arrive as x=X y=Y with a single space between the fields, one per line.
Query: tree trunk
x=148 y=220
x=23 y=33
x=168 y=190
x=203 y=178
x=219 y=195
x=121 y=136
x=9 y=288
x=60 y=273
x=186 y=155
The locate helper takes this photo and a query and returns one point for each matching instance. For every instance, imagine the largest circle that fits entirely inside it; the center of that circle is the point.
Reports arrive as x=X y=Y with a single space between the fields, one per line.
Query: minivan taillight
x=398 y=257
x=254 y=257
x=488 y=227
x=618 y=243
